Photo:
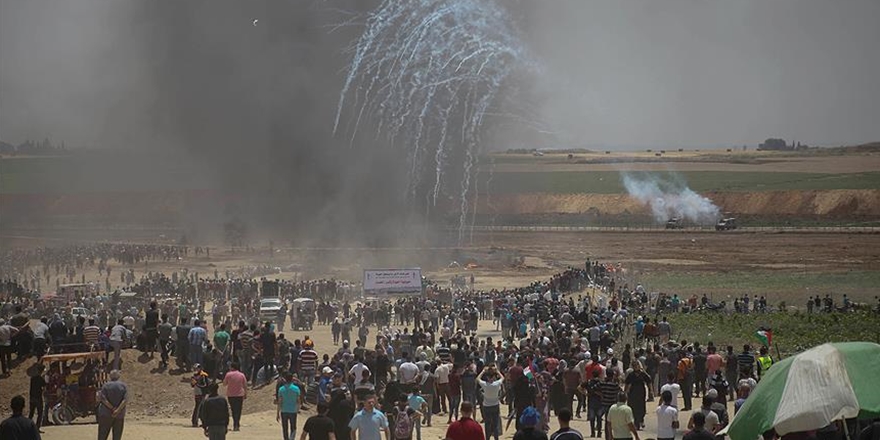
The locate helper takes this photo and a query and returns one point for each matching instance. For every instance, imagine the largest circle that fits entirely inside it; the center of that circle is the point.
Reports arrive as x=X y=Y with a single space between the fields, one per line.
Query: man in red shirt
x=465 y=428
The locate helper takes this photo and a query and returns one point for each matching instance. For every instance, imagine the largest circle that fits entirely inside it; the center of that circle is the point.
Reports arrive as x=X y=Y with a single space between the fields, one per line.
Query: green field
x=792 y=332
x=95 y=173
x=609 y=182
x=792 y=287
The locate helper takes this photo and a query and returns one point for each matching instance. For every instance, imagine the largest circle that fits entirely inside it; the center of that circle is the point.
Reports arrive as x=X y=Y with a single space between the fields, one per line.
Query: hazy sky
x=698 y=72
x=616 y=73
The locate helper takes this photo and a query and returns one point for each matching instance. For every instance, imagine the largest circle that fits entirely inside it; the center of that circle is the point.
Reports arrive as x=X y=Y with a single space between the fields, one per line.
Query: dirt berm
x=830 y=203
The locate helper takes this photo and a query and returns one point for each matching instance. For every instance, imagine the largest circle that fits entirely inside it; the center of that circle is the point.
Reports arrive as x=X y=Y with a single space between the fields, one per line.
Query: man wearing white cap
x=324 y=384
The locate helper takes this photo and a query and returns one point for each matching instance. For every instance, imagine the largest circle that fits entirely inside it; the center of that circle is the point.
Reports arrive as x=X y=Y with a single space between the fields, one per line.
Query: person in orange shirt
x=686 y=377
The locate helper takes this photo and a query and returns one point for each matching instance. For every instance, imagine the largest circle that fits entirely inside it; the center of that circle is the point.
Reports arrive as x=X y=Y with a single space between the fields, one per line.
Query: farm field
x=609 y=182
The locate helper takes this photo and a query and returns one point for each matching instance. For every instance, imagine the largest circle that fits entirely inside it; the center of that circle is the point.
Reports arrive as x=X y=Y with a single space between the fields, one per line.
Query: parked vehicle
x=75 y=379
x=675 y=223
x=726 y=224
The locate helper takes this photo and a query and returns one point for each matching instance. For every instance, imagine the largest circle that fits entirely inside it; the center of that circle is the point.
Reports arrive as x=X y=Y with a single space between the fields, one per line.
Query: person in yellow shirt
x=620 y=422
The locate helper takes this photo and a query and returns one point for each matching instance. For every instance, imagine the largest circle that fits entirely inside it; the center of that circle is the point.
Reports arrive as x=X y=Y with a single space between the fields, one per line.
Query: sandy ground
x=258 y=421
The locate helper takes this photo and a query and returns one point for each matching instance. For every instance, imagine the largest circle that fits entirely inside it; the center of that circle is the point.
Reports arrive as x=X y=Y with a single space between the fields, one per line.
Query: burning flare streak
x=425 y=73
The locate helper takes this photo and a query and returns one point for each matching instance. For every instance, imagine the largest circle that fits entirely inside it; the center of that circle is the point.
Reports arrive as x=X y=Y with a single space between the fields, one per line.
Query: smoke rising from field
x=669 y=198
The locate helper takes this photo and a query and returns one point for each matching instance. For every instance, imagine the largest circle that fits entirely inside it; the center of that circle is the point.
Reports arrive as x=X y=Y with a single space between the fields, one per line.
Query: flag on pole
x=765 y=335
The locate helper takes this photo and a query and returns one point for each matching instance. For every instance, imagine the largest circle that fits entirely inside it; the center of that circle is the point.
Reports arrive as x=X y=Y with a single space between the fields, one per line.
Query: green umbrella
x=812 y=389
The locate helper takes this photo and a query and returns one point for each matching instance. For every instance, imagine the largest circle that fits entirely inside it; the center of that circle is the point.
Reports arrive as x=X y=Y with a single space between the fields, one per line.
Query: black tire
x=62 y=415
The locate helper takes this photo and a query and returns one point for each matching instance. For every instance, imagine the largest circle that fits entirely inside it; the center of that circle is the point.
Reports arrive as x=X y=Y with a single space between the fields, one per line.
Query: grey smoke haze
x=253 y=106
x=670 y=198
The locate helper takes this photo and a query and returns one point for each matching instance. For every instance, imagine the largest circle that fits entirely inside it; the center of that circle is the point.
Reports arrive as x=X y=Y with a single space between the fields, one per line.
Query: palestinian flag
x=765 y=335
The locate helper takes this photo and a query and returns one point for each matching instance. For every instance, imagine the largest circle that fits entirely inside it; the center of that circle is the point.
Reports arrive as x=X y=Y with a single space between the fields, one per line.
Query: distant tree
x=774 y=144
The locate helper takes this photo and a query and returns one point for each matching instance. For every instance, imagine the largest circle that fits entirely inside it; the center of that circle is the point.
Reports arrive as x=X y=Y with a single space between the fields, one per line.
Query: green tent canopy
x=810 y=390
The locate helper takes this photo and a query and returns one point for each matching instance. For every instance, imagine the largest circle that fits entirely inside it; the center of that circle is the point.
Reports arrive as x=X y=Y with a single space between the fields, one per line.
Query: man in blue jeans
x=289 y=399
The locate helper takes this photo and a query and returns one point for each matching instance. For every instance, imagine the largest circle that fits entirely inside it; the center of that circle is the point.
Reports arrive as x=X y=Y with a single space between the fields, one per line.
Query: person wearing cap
x=324 y=384
x=528 y=429
x=214 y=414
x=308 y=362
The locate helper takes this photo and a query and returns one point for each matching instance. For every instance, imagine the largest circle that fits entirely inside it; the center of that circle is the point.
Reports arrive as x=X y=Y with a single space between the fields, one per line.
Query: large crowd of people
x=397 y=365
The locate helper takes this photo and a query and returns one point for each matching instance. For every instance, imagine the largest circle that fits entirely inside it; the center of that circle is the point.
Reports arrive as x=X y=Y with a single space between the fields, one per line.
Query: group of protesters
x=396 y=365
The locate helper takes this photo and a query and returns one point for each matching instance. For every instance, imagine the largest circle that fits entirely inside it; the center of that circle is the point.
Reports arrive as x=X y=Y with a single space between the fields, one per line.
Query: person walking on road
x=369 y=423
x=620 y=422
x=319 y=426
x=236 y=392
x=214 y=414
x=290 y=397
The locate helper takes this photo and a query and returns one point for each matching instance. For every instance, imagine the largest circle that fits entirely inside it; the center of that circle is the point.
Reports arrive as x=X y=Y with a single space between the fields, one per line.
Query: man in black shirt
x=565 y=432
x=214 y=414
x=320 y=426
x=181 y=351
x=151 y=325
x=36 y=395
x=267 y=340
x=699 y=432
x=18 y=427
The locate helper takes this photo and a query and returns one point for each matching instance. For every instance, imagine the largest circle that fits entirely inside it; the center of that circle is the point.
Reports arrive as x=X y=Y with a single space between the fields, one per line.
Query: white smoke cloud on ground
x=670 y=198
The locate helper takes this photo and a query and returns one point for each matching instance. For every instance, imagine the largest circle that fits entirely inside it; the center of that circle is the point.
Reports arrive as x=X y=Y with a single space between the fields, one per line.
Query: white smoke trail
x=669 y=199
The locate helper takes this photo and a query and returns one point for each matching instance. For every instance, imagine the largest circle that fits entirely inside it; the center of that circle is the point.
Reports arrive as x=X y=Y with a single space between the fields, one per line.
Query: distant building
x=774 y=144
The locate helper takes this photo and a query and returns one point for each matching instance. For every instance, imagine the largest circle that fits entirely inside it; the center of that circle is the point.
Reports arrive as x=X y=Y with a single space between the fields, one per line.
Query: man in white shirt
x=667 y=417
x=357 y=370
x=673 y=388
x=442 y=375
x=41 y=333
x=407 y=372
x=117 y=335
x=491 y=408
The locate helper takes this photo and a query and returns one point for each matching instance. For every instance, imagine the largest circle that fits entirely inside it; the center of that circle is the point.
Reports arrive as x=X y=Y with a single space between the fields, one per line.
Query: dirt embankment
x=826 y=203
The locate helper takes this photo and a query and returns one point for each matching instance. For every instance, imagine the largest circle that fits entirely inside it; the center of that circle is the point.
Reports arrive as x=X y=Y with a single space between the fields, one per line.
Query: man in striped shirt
x=609 y=389
x=746 y=362
x=443 y=352
x=91 y=333
x=245 y=338
x=308 y=363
